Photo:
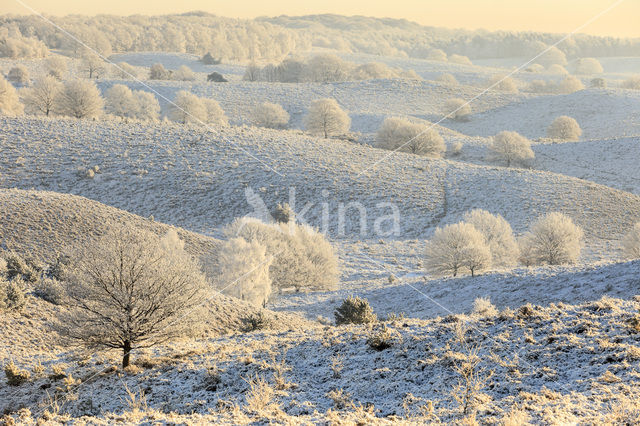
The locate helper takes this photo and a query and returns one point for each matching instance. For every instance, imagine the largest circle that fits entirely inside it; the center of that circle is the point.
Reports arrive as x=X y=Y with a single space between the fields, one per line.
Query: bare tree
x=512 y=148
x=79 y=99
x=41 y=97
x=399 y=134
x=326 y=118
x=553 y=239
x=132 y=290
x=455 y=248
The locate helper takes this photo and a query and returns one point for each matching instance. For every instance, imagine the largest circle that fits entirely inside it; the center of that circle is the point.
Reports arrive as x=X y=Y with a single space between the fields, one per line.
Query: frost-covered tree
x=80 y=99
x=18 y=75
x=503 y=83
x=569 y=85
x=437 y=55
x=447 y=79
x=158 y=72
x=512 y=148
x=565 y=128
x=326 y=118
x=132 y=290
x=497 y=234
x=184 y=73
x=242 y=271
x=326 y=68
x=119 y=101
x=303 y=258
x=588 y=66
x=399 y=134
x=9 y=101
x=92 y=64
x=189 y=108
x=460 y=59
x=270 y=115
x=148 y=105
x=41 y=97
x=457 y=248
x=553 y=56
x=125 y=71
x=631 y=243
x=553 y=239
x=215 y=113
x=57 y=66
x=457 y=109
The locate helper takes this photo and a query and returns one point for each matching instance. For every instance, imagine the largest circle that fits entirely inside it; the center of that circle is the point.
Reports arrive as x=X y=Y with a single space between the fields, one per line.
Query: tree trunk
x=126 y=357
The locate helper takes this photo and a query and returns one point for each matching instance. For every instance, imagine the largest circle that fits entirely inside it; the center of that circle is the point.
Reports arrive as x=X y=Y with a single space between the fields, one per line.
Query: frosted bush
x=409 y=75
x=326 y=118
x=158 y=72
x=9 y=101
x=457 y=109
x=588 y=66
x=125 y=71
x=447 y=79
x=18 y=75
x=564 y=128
x=148 y=106
x=51 y=290
x=551 y=56
x=512 y=148
x=557 y=69
x=354 y=310
x=553 y=239
x=497 y=234
x=326 y=68
x=540 y=86
x=119 y=101
x=482 y=306
x=457 y=248
x=242 y=271
x=460 y=59
x=437 y=55
x=505 y=84
x=80 y=99
x=270 y=115
x=215 y=113
x=12 y=294
x=184 y=73
x=631 y=243
x=598 y=83
x=189 y=108
x=632 y=83
x=57 y=66
x=303 y=258
x=399 y=134
x=41 y=97
x=569 y=85
x=535 y=68
x=373 y=70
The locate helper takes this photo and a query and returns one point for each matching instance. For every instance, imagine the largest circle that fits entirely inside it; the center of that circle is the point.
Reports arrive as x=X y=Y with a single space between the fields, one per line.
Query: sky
x=558 y=16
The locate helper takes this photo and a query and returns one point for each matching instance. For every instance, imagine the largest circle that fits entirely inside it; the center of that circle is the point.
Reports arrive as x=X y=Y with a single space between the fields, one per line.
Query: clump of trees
x=132 y=290
x=511 y=148
x=326 y=118
x=399 y=134
x=553 y=240
x=125 y=103
x=17 y=46
x=564 y=128
x=270 y=115
x=189 y=108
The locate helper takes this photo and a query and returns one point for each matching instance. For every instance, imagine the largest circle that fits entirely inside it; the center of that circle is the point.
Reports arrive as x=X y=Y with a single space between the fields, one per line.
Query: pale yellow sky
x=538 y=15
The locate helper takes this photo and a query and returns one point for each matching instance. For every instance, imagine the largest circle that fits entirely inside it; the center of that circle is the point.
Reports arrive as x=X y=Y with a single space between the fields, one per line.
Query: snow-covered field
x=572 y=358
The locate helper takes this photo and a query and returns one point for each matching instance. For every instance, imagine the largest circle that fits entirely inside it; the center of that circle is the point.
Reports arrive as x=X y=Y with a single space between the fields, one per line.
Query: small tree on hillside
x=184 y=73
x=497 y=234
x=9 y=101
x=399 y=134
x=132 y=290
x=588 y=66
x=326 y=118
x=148 y=106
x=553 y=239
x=18 y=75
x=57 y=66
x=564 y=128
x=631 y=243
x=457 y=109
x=120 y=102
x=188 y=108
x=79 y=99
x=455 y=248
x=92 y=64
x=158 y=72
x=40 y=98
x=270 y=115
x=512 y=148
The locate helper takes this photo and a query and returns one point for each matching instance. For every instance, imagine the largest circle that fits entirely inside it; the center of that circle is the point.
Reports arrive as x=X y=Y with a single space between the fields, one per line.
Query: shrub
x=50 y=290
x=399 y=134
x=460 y=59
x=498 y=236
x=41 y=97
x=252 y=72
x=373 y=70
x=447 y=79
x=598 y=83
x=242 y=271
x=15 y=376
x=283 y=213
x=455 y=248
x=557 y=69
x=553 y=56
x=303 y=258
x=564 y=128
x=189 y=108
x=270 y=115
x=588 y=66
x=326 y=118
x=354 y=310
x=18 y=267
x=437 y=55
x=503 y=83
x=631 y=243
x=18 y=75
x=457 y=109
x=632 y=83
x=381 y=339
x=125 y=71
x=409 y=75
x=9 y=101
x=482 y=306
x=12 y=295
x=553 y=239
x=256 y=321
x=158 y=72
x=184 y=73
x=216 y=77
x=132 y=288
x=148 y=106
x=512 y=148
x=122 y=102
x=57 y=66
x=79 y=99
x=326 y=68
x=569 y=85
